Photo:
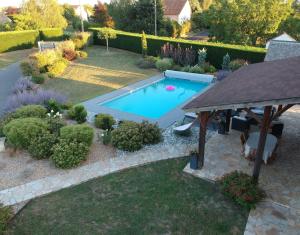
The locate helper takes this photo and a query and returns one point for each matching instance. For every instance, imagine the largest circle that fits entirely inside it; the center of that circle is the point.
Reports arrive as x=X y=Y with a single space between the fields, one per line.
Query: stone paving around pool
x=280 y=213
x=23 y=190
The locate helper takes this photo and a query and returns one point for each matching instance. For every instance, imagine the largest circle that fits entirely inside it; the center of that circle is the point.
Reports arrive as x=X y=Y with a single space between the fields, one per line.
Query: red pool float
x=170 y=88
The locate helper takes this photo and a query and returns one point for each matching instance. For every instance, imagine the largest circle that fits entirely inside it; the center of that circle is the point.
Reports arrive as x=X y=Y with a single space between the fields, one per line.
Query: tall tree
x=36 y=14
x=120 y=10
x=101 y=15
x=142 y=16
x=195 y=5
x=246 y=21
x=70 y=16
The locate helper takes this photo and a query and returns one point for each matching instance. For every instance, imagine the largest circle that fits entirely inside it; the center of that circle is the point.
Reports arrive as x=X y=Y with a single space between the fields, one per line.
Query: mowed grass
x=154 y=199
x=100 y=73
x=8 y=58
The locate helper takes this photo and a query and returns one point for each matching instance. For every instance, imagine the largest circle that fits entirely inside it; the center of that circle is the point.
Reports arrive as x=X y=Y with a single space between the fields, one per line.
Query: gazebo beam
x=203 y=117
x=281 y=110
x=262 y=142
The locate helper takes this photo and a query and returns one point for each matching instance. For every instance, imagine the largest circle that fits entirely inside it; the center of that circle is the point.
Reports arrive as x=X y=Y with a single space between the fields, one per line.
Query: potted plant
x=194 y=159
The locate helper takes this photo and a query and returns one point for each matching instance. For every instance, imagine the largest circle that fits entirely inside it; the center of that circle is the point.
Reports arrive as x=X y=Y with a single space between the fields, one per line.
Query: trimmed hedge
x=16 y=40
x=51 y=34
x=215 y=51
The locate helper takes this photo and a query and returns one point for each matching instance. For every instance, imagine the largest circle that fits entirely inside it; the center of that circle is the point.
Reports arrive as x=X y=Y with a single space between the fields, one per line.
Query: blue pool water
x=154 y=100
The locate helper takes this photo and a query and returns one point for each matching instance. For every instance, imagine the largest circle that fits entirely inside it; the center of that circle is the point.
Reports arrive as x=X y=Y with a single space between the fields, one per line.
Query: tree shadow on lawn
x=157 y=198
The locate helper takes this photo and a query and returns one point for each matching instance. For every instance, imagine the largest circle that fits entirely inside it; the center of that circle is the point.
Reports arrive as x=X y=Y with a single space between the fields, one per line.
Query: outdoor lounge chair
x=184 y=127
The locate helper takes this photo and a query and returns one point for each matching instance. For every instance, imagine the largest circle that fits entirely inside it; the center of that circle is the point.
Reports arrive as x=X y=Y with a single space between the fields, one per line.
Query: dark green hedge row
x=215 y=51
x=54 y=34
x=16 y=40
x=11 y=41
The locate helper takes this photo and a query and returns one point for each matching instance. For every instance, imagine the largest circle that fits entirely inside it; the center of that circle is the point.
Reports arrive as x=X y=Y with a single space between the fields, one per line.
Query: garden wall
x=16 y=40
x=215 y=51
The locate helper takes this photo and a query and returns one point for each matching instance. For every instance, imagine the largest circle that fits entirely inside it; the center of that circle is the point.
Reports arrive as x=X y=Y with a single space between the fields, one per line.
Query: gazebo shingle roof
x=261 y=84
x=282 y=50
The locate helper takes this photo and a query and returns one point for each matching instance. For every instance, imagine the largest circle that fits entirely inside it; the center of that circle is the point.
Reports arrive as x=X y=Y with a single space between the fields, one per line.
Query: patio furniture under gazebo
x=267 y=84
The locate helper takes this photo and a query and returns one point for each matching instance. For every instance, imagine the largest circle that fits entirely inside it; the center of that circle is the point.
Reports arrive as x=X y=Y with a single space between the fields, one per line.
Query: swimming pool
x=156 y=99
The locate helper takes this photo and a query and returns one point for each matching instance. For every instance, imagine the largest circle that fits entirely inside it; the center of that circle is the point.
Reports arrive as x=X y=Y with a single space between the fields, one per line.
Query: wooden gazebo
x=267 y=84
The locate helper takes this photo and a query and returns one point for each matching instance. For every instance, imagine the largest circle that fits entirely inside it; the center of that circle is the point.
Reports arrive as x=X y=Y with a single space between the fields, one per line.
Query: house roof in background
x=284 y=37
x=282 y=49
x=173 y=7
x=267 y=83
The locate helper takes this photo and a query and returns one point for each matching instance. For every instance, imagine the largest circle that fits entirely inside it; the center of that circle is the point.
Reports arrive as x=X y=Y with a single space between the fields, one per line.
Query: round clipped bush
x=69 y=154
x=30 y=111
x=3 y=121
x=104 y=121
x=19 y=132
x=127 y=137
x=38 y=79
x=41 y=146
x=151 y=133
x=82 y=54
x=164 y=64
x=57 y=68
x=80 y=133
x=78 y=113
x=69 y=54
x=241 y=188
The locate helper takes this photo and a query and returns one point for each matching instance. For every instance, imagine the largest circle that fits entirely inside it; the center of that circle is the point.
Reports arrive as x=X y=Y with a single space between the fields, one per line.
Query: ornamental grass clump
x=242 y=189
x=6 y=213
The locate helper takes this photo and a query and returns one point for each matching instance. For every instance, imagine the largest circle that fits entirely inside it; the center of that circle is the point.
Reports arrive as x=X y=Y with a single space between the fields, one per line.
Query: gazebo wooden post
x=262 y=142
x=228 y=116
x=203 y=117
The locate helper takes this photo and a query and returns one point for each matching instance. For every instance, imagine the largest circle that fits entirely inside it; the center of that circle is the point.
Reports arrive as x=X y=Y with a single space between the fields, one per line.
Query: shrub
x=46 y=58
x=209 y=68
x=236 y=64
x=241 y=188
x=6 y=213
x=196 y=69
x=37 y=111
x=106 y=137
x=39 y=96
x=176 y=67
x=69 y=154
x=3 y=121
x=69 y=54
x=51 y=34
x=16 y=40
x=27 y=69
x=147 y=62
x=186 y=69
x=151 y=133
x=41 y=145
x=19 y=132
x=80 y=133
x=38 y=79
x=23 y=85
x=78 y=113
x=164 y=64
x=66 y=45
x=57 y=68
x=226 y=62
x=215 y=51
x=53 y=106
x=81 y=39
x=82 y=54
x=180 y=56
x=55 y=124
x=104 y=121
x=127 y=137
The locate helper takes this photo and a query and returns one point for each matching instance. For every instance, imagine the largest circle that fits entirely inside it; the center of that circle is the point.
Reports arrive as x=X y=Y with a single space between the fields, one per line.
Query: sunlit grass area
x=8 y=58
x=100 y=73
x=158 y=198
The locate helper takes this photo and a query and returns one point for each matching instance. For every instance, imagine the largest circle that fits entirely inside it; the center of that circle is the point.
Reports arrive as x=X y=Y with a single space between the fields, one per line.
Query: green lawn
x=100 y=73
x=154 y=199
x=14 y=56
